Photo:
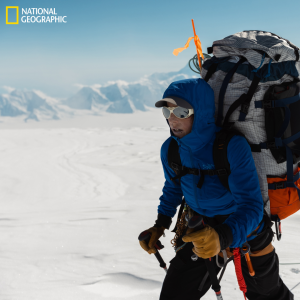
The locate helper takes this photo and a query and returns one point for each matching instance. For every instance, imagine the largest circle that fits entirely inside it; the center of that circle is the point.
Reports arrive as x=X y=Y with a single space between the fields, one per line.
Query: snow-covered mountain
x=32 y=104
x=123 y=97
x=113 y=97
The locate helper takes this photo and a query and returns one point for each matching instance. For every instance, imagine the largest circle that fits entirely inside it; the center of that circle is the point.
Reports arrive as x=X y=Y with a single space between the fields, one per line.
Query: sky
x=123 y=39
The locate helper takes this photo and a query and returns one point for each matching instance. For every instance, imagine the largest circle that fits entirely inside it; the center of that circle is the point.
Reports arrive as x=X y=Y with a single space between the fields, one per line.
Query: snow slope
x=74 y=198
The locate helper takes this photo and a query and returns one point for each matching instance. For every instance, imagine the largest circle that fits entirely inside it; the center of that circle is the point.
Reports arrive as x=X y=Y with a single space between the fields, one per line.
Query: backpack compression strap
x=222 y=140
x=223 y=89
x=212 y=69
x=244 y=100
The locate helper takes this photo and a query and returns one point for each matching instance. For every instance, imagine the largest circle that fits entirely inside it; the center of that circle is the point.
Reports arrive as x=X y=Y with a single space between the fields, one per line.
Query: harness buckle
x=222 y=172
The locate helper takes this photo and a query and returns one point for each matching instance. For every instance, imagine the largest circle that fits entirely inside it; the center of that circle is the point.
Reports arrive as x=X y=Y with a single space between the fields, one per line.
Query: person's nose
x=173 y=119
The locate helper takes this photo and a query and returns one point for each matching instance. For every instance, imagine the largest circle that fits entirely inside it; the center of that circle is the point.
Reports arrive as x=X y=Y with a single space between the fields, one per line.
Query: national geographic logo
x=33 y=15
x=11 y=9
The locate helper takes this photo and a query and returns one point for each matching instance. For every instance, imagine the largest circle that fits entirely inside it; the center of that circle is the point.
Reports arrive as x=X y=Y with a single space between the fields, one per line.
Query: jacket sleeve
x=245 y=189
x=172 y=194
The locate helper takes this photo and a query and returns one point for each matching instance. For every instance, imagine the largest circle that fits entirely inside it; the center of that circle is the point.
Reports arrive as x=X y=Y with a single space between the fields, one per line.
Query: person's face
x=180 y=127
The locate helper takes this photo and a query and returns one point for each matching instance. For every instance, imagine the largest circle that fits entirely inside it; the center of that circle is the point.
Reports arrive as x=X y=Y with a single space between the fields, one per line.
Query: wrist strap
x=163 y=221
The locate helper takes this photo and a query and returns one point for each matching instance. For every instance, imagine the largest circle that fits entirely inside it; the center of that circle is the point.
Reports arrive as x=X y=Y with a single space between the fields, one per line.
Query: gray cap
x=174 y=100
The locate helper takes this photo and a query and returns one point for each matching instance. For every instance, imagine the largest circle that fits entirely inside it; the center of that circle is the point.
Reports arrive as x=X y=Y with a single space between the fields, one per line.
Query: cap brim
x=162 y=102
x=174 y=100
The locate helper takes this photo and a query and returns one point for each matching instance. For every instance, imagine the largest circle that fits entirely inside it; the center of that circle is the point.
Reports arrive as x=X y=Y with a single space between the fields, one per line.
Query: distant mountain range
x=113 y=97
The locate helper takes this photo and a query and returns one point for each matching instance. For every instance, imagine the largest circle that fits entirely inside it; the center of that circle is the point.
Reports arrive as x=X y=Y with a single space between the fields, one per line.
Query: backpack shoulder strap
x=174 y=160
x=175 y=164
x=221 y=162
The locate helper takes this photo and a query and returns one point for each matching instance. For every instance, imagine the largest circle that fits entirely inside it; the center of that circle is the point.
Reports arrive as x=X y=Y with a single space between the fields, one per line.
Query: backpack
x=256 y=82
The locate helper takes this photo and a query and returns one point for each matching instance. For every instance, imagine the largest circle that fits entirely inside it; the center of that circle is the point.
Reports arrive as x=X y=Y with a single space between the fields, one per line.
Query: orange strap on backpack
x=197 y=44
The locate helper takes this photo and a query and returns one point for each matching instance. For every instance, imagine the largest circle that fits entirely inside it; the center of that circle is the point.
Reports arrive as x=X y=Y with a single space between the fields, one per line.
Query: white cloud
x=79 y=85
x=9 y=89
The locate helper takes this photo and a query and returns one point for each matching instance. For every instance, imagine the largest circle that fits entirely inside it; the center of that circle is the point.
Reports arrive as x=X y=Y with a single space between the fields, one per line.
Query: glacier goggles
x=178 y=111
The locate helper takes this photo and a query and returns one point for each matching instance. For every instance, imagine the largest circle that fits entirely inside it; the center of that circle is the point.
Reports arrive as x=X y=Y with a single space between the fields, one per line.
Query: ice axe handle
x=145 y=236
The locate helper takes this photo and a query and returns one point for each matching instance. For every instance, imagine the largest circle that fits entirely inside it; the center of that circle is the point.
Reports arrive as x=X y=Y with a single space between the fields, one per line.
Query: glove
x=206 y=242
x=156 y=233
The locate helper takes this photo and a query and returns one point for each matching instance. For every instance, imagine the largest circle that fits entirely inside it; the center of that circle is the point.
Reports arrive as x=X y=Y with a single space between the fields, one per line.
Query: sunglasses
x=179 y=112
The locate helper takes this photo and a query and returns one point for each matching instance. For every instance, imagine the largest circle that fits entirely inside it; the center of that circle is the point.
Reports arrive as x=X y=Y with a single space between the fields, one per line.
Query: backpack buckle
x=245 y=108
x=176 y=167
x=271 y=145
x=222 y=172
x=194 y=171
x=279 y=185
x=267 y=104
x=210 y=172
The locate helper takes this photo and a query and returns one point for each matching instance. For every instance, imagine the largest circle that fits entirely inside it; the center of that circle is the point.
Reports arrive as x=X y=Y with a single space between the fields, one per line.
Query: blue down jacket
x=244 y=203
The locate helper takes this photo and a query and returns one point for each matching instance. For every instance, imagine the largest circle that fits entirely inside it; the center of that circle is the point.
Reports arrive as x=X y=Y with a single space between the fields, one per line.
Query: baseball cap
x=174 y=100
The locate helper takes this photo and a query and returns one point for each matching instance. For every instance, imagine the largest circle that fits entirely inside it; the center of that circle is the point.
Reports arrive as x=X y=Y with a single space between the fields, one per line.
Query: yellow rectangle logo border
x=17 y=15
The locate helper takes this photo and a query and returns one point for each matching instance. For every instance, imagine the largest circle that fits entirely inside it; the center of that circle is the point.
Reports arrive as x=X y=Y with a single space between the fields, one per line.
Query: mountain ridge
x=113 y=97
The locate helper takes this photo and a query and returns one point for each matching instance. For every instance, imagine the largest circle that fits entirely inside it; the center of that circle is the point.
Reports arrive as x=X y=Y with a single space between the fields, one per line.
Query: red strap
x=238 y=271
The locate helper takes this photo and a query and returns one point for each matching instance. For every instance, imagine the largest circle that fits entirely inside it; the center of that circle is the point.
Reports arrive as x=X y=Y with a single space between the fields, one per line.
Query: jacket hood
x=201 y=96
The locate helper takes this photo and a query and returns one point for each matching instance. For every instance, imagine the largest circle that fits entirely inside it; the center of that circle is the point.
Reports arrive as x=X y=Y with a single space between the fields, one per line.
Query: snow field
x=74 y=199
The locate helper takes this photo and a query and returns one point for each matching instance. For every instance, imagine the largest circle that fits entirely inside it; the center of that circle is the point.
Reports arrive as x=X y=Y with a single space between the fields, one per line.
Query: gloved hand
x=206 y=242
x=156 y=233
